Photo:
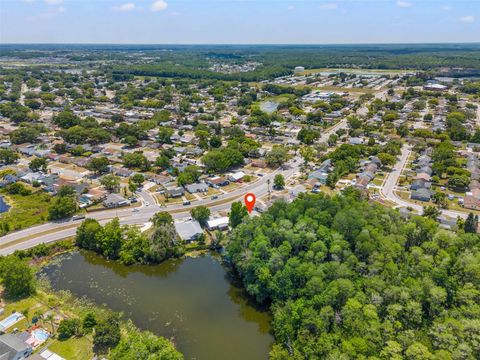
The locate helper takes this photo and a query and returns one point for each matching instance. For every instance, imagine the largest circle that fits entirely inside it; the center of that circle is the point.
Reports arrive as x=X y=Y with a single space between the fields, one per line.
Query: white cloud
x=403 y=4
x=290 y=7
x=446 y=8
x=159 y=5
x=50 y=13
x=125 y=7
x=467 y=19
x=329 y=6
x=54 y=2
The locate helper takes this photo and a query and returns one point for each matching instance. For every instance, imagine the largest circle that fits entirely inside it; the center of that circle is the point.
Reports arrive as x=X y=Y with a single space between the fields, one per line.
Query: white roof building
x=236 y=176
x=218 y=223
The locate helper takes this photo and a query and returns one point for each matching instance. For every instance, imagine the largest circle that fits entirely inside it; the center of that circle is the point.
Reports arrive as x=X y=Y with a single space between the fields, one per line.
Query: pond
x=269 y=106
x=191 y=301
x=3 y=205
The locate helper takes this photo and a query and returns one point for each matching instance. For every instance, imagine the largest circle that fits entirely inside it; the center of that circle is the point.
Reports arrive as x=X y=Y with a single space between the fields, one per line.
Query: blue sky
x=239 y=21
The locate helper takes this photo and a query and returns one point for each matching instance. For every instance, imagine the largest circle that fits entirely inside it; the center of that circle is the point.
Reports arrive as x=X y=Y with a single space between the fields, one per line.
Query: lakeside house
x=188 y=230
x=218 y=223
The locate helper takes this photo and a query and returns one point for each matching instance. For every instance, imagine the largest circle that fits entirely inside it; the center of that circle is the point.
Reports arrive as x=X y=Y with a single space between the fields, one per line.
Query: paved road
x=388 y=188
x=343 y=124
x=54 y=231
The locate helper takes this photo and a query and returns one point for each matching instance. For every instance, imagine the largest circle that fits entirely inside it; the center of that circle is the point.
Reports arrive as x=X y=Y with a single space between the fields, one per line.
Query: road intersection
x=54 y=231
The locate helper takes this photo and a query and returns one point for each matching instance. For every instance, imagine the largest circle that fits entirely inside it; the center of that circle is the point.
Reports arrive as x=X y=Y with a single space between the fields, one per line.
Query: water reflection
x=191 y=301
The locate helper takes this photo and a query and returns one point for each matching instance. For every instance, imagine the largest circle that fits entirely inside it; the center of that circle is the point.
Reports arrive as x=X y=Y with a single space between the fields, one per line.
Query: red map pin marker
x=250 y=201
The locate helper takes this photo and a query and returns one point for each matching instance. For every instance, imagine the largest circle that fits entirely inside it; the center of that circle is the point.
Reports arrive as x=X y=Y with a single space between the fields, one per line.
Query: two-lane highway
x=54 y=231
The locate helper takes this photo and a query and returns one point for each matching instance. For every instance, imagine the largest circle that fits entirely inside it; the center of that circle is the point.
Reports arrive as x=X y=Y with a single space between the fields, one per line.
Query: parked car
x=78 y=217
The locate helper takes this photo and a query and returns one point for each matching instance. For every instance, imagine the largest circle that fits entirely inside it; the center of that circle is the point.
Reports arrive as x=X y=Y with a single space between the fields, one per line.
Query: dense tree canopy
x=16 y=277
x=347 y=280
x=128 y=244
x=144 y=345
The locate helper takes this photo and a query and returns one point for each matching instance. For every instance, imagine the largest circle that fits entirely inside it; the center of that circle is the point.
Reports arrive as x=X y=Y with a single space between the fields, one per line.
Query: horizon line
x=244 y=44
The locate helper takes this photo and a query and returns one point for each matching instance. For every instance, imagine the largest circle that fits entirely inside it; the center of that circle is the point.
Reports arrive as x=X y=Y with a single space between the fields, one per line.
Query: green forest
x=346 y=279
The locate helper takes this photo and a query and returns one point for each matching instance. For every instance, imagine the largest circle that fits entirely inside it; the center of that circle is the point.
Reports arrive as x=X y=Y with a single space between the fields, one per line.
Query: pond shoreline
x=191 y=300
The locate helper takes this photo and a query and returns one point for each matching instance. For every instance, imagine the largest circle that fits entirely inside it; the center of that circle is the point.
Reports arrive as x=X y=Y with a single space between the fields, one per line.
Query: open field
x=25 y=211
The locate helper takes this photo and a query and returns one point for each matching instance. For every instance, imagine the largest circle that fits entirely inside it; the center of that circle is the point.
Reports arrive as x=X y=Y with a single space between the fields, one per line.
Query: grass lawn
x=74 y=348
x=230 y=187
x=189 y=196
x=26 y=211
x=279 y=98
x=377 y=181
x=211 y=191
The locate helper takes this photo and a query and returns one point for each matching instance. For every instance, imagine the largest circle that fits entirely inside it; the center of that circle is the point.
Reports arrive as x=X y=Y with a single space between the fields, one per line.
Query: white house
x=218 y=223
x=234 y=177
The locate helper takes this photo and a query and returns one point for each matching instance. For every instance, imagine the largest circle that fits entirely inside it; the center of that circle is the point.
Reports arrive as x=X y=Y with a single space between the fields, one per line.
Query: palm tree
x=25 y=313
x=49 y=318
x=38 y=315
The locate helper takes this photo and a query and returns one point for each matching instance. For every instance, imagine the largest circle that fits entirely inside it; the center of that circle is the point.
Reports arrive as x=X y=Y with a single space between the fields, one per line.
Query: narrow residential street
x=388 y=188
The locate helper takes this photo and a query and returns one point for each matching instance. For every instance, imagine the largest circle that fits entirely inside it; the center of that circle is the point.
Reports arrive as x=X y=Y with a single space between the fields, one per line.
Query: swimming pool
x=10 y=321
x=41 y=335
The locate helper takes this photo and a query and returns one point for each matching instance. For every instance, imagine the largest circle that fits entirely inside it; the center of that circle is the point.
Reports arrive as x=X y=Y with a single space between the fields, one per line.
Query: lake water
x=190 y=301
x=269 y=106
x=3 y=205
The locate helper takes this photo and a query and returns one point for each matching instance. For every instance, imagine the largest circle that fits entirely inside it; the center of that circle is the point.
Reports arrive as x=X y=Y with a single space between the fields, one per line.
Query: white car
x=147 y=203
x=135 y=210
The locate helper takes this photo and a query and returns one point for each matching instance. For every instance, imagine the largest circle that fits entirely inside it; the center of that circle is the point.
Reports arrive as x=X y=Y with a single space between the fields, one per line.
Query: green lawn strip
x=78 y=348
x=26 y=211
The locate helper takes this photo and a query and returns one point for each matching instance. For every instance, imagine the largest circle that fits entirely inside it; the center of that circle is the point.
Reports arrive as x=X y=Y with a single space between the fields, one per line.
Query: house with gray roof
x=189 y=230
x=421 y=195
x=14 y=347
x=114 y=201
x=175 y=192
x=197 y=188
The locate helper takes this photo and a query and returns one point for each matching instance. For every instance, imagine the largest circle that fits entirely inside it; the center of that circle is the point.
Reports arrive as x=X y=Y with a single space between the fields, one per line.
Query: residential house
x=362 y=181
x=14 y=347
x=115 y=201
x=217 y=181
x=420 y=184
x=259 y=163
x=422 y=176
x=355 y=141
x=472 y=200
x=319 y=175
x=421 y=195
x=159 y=179
x=218 y=223
x=31 y=177
x=189 y=230
x=8 y=179
x=175 y=192
x=197 y=188
x=123 y=172
x=297 y=190
x=237 y=176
